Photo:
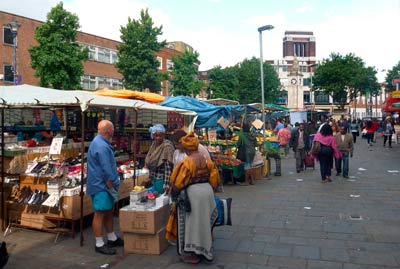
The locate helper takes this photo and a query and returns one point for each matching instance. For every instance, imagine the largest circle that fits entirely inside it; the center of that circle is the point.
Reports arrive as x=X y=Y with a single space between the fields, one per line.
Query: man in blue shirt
x=102 y=182
x=279 y=125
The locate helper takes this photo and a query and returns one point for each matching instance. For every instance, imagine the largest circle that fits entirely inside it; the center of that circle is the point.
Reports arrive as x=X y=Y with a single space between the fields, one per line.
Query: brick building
x=99 y=70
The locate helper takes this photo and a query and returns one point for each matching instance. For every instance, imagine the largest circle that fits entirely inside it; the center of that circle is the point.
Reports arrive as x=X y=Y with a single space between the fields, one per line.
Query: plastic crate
x=238 y=170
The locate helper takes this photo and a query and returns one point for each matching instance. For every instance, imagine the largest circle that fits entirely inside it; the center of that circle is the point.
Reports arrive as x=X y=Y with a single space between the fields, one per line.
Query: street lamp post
x=260 y=30
x=311 y=90
x=14 y=25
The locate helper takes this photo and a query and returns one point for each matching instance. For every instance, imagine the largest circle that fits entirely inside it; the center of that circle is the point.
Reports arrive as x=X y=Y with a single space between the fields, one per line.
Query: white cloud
x=104 y=18
x=368 y=36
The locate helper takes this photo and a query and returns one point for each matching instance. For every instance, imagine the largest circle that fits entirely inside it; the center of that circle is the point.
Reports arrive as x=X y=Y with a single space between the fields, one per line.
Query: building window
x=306 y=96
x=89 y=82
x=299 y=49
x=103 y=55
x=170 y=64
x=7 y=36
x=116 y=84
x=284 y=68
x=306 y=82
x=92 y=52
x=95 y=82
x=159 y=59
x=8 y=73
x=321 y=98
x=114 y=57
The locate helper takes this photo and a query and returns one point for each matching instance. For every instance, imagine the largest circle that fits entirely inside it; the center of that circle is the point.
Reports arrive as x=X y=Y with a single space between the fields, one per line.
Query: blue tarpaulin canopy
x=208 y=114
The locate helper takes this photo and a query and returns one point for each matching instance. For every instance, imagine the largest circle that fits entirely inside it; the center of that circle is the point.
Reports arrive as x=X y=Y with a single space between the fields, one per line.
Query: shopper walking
x=283 y=139
x=102 y=186
x=344 y=142
x=388 y=131
x=328 y=150
x=370 y=130
x=300 y=143
x=355 y=130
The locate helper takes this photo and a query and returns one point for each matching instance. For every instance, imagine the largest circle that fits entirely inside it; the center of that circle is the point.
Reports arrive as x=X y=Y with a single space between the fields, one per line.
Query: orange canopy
x=128 y=94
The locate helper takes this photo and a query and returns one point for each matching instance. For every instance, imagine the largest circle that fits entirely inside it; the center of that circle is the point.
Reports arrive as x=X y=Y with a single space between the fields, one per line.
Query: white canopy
x=34 y=96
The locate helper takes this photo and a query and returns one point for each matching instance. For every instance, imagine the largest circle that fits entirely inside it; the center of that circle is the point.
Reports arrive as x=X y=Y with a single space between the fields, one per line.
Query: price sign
x=56 y=145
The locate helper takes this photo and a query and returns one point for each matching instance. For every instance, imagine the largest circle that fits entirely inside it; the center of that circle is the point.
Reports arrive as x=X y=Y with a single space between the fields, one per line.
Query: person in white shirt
x=179 y=153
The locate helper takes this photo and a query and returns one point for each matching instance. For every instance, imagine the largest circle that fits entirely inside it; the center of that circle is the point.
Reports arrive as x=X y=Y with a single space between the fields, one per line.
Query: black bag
x=183 y=201
x=3 y=254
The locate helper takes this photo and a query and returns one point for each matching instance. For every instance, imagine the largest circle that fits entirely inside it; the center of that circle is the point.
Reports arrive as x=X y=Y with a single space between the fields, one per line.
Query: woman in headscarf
x=159 y=158
x=246 y=153
x=328 y=150
x=194 y=211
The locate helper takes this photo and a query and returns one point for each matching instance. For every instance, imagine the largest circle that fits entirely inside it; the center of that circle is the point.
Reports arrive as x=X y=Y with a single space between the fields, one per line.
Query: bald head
x=105 y=128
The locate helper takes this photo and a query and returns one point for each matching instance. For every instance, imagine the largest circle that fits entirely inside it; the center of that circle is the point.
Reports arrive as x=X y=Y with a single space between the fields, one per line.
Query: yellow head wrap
x=189 y=141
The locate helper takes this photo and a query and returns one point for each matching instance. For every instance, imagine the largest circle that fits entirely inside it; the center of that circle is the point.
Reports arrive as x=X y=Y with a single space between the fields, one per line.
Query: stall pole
x=82 y=173
x=134 y=145
x=3 y=226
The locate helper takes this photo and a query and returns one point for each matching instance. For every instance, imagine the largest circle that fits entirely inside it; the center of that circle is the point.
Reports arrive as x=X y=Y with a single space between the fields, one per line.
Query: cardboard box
x=149 y=221
x=142 y=179
x=71 y=207
x=125 y=188
x=38 y=221
x=145 y=244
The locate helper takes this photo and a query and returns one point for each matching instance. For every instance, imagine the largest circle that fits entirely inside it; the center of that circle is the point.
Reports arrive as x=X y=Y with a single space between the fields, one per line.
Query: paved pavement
x=292 y=221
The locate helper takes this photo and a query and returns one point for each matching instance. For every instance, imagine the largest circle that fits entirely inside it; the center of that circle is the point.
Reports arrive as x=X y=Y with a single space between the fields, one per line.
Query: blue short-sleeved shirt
x=101 y=166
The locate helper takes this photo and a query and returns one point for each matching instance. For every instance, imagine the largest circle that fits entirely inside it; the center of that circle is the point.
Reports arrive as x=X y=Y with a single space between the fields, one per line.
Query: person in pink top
x=283 y=139
x=328 y=150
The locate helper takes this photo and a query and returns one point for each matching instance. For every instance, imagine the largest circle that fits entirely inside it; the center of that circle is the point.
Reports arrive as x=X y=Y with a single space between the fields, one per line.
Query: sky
x=224 y=32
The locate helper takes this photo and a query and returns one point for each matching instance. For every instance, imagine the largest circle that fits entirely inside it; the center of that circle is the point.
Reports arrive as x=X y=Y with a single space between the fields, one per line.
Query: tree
x=183 y=76
x=242 y=82
x=392 y=74
x=343 y=76
x=224 y=83
x=136 y=55
x=58 y=60
x=249 y=87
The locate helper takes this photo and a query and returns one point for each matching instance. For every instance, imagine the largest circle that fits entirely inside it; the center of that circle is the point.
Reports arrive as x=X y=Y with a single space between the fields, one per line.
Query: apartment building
x=99 y=70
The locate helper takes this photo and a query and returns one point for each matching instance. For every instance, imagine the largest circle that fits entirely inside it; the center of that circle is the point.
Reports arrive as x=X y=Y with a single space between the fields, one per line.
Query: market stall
x=222 y=130
x=32 y=97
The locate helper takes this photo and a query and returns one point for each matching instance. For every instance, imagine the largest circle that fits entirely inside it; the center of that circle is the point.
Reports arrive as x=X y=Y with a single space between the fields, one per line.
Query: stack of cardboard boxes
x=144 y=229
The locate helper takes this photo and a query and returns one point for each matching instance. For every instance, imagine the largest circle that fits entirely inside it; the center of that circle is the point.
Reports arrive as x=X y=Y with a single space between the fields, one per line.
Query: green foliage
x=392 y=74
x=57 y=59
x=343 y=77
x=250 y=85
x=183 y=76
x=242 y=82
x=137 y=61
x=223 y=83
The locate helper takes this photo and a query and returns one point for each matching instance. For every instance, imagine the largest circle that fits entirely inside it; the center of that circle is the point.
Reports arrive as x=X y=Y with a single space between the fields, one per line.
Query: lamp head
x=265 y=27
x=14 y=25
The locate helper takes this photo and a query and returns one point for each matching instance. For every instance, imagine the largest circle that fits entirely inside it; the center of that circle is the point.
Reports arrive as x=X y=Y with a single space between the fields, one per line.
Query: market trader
x=102 y=181
x=159 y=159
